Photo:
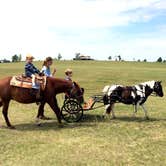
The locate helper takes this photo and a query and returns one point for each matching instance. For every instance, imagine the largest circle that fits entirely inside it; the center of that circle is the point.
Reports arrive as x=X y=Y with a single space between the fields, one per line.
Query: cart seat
x=89 y=104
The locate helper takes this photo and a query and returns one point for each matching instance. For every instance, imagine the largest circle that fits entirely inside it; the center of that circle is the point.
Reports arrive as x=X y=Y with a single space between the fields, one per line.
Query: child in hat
x=30 y=69
x=69 y=74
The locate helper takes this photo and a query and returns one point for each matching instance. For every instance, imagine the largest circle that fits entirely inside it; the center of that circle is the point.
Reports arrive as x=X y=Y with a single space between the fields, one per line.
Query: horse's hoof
x=44 y=118
x=103 y=116
x=11 y=127
x=60 y=125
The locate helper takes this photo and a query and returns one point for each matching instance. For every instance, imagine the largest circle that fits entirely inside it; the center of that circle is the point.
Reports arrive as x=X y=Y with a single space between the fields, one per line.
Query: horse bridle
x=74 y=96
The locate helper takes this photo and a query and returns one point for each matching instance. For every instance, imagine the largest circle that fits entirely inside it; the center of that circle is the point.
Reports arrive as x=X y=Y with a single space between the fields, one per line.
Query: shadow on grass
x=50 y=125
x=88 y=120
x=93 y=118
x=138 y=119
x=99 y=118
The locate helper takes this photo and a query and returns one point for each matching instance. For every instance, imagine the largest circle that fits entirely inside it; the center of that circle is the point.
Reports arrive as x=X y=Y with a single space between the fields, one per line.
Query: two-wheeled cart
x=72 y=110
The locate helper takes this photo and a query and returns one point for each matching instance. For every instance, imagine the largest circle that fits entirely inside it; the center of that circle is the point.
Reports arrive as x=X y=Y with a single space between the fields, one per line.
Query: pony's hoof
x=147 y=118
x=37 y=121
x=38 y=124
x=133 y=116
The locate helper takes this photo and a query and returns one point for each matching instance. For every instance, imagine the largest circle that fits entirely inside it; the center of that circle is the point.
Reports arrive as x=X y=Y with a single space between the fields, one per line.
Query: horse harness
x=69 y=93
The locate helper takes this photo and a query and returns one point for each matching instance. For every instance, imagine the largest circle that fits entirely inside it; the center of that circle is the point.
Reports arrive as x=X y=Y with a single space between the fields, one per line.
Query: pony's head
x=77 y=93
x=158 y=89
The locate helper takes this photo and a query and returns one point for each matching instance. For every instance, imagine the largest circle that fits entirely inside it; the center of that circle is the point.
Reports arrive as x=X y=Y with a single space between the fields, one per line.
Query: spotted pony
x=135 y=95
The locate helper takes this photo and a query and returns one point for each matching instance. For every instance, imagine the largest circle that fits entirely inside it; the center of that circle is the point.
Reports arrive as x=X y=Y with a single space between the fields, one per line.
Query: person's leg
x=33 y=80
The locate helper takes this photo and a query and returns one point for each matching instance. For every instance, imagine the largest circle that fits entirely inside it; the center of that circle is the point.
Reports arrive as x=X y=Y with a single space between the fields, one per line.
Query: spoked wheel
x=71 y=111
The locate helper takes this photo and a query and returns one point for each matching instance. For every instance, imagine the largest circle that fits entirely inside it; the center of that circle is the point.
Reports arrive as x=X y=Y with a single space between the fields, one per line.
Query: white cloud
x=25 y=25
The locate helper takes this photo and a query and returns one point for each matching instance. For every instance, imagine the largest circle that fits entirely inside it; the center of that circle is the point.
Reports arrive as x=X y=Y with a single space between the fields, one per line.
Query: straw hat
x=29 y=56
x=68 y=71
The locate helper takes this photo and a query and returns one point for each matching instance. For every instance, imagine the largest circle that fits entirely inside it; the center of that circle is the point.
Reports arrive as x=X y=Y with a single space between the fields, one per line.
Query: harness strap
x=152 y=94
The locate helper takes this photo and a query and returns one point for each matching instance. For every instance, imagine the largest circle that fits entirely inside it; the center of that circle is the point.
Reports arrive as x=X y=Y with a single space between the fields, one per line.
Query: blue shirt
x=46 y=71
x=30 y=69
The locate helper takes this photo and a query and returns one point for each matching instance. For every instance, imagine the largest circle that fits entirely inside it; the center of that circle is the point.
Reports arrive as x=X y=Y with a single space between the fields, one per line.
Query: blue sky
x=135 y=29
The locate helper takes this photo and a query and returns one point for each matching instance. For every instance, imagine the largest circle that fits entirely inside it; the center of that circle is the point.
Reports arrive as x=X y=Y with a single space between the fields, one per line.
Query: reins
x=74 y=96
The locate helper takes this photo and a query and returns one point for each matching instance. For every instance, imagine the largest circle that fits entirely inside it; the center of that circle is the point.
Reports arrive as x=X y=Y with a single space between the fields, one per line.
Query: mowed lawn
x=94 y=140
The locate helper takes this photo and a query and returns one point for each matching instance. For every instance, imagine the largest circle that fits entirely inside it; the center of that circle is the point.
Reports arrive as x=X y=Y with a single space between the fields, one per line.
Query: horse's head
x=158 y=89
x=77 y=93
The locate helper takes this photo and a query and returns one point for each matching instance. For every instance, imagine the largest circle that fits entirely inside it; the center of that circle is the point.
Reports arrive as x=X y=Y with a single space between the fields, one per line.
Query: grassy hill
x=93 y=141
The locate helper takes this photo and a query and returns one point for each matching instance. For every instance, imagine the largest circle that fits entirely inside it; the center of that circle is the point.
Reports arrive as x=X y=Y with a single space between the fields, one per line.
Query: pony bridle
x=152 y=94
x=157 y=89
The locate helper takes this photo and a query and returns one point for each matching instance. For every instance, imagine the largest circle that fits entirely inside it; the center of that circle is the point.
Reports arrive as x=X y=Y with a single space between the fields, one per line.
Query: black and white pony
x=135 y=95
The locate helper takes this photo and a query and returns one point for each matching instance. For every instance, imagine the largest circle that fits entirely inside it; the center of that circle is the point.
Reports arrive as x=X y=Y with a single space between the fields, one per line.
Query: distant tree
x=138 y=60
x=109 y=58
x=19 y=57
x=77 y=55
x=119 y=58
x=159 y=59
x=145 y=60
x=59 y=56
x=164 y=61
x=15 y=58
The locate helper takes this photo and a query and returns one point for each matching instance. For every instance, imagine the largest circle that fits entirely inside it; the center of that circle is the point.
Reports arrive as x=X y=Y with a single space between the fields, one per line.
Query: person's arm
x=54 y=71
x=35 y=70
x=44 y=71
x=28 y=70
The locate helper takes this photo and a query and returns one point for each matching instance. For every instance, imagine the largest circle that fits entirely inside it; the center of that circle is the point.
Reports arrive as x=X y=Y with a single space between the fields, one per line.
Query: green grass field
x=94 y=140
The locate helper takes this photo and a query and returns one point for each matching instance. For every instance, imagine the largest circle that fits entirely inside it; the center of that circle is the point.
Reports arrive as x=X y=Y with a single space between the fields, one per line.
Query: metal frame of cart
x=72 y=111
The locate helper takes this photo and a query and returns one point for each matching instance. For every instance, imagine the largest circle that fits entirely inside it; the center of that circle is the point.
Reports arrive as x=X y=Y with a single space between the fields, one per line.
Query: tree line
x=18 y=58
x=161 y=60
x=118 y=58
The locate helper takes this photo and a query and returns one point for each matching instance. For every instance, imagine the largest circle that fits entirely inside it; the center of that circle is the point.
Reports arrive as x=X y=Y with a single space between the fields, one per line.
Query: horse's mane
x=149 y=83
x=57 y=79
x=60 y=81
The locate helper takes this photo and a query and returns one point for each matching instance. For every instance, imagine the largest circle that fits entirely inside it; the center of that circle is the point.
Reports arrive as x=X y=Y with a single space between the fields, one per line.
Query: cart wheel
x=71 y=111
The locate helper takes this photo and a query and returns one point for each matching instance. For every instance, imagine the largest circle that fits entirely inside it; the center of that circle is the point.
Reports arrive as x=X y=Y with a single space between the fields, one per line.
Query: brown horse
x=54 y=86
